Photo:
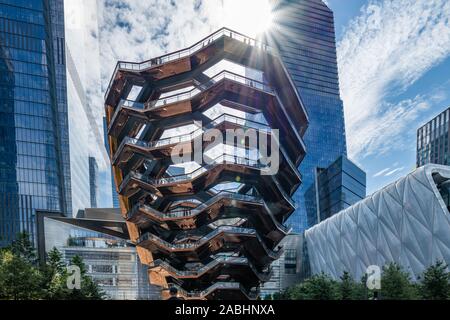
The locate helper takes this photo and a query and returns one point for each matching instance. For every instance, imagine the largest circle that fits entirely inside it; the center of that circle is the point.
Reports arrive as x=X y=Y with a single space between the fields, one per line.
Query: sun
x=250 y=17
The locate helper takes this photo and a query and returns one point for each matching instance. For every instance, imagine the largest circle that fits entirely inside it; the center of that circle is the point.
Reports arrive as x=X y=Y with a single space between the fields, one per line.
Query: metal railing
x=222 y=159
x=187 y=213
x=180 y=246
x=127 y=104
x=184 y=213
x=245 y=123
x=187 y=95
x=181 y=213
x=217 y=259
x=273 y=254
x=215 y=286
x=224 y=32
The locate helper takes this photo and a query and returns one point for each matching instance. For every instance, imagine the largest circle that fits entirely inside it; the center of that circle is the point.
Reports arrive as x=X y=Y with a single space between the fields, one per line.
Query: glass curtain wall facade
x=336 y=188
x=34 y=155
x=79 y=135
x=303 y=33
x=83 y=81
x=433 y=141
x=57 y=30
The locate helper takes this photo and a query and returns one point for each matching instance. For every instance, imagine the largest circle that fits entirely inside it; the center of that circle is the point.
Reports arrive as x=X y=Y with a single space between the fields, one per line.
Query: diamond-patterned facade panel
x=406 y=222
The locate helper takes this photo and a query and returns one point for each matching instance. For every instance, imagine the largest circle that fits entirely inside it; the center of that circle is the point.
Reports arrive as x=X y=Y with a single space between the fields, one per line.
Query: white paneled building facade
x=407 y=222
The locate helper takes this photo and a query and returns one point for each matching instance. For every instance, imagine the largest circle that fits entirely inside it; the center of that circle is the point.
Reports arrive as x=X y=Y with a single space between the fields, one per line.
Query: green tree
x=346 y=286
x=55 y=262
x=89 y=289
x=435 y=284
x=363 y=293
x=318 y=287
x=57 y=277
x=78 y=261
x=55 y=274
x=277 y=296
x=19 y=279
x=396 y=284
x=23 y=247
x=349 y=289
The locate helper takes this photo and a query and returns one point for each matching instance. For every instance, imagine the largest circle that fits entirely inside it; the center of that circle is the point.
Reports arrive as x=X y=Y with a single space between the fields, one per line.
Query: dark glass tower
x=303 y=32
x=34 y=155
x=93 y=181
x=336 y=188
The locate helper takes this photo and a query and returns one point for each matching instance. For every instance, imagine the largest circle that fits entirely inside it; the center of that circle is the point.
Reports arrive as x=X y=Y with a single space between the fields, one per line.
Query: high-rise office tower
x=303 y=33
x=210 y=225
x=34 y=154
x=433 y=143
x=83 y=88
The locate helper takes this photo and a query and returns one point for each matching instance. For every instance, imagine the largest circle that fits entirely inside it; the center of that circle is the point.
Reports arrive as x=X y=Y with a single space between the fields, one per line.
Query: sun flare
x=251 y=17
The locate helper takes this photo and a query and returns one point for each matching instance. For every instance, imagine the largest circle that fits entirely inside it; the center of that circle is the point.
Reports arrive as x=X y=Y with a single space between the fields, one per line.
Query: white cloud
x=101 y=32
x=381 y=172
x=390 y=173
x=136 y=30
x=383 y=51
x=390 y=129
x=386 y=172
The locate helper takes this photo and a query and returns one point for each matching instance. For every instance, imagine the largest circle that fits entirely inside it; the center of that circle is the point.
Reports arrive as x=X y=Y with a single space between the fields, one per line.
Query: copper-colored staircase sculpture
x=206 y=240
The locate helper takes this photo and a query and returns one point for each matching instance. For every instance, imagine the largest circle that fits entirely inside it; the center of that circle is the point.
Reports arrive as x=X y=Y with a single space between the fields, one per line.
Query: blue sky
x=412 y=98
x=344 y=11
x=393 y=56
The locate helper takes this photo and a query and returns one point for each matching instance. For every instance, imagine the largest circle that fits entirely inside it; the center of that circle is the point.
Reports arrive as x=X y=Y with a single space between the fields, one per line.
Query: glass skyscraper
x=303 y=33
x=34 y=154
x=433 y=140
x=83 y=87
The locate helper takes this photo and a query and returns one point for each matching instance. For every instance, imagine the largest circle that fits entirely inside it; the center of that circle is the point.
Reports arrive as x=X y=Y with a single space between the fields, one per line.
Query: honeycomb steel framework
x=207 y=241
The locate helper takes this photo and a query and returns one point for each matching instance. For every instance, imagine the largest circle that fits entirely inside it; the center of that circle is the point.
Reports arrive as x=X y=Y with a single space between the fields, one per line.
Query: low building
x=99 y=238
x=289 y=269
x=407 y=222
